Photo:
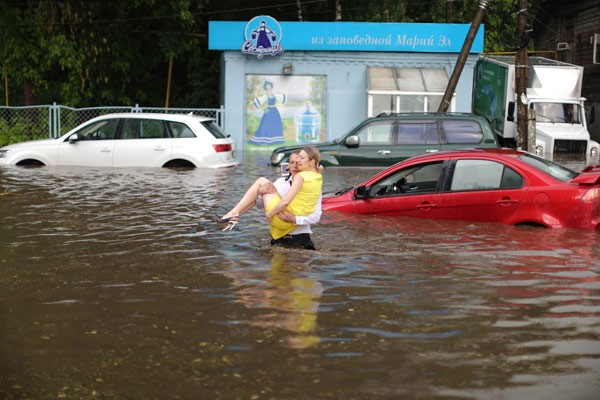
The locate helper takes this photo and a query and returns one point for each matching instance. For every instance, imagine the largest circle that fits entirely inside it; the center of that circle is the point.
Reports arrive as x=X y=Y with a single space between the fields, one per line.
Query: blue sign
x=341 y=36
x=263 y=37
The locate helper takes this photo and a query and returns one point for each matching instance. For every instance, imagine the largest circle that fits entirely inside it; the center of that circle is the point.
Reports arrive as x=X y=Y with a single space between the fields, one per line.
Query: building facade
x=572 y=31
x=301 y=82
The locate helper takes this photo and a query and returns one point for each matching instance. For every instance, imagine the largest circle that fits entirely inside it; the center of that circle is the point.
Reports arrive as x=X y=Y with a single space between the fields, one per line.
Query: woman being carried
x=301 y=199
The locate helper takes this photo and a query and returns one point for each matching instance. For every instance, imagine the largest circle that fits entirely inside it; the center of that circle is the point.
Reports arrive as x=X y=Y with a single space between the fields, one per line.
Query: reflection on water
x=287 y=290
x=117 y=284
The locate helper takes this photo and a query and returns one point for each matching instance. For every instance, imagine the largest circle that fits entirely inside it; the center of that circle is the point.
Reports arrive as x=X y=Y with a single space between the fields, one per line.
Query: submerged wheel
x=179 y=164
x=31 y=163
x=531 y=225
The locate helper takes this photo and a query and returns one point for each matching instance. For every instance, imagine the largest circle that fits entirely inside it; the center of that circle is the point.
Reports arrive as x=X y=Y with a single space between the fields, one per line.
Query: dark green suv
x=390 y=138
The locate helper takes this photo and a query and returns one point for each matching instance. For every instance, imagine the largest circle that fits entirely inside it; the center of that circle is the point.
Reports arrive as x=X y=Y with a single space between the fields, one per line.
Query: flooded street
x=116 y=284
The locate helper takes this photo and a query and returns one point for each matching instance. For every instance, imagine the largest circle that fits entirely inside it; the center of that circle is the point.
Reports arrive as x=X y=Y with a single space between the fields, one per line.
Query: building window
x=396 y=90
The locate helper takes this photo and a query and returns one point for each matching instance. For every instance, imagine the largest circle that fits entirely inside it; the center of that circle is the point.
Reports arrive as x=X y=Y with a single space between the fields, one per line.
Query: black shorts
x=301 y=241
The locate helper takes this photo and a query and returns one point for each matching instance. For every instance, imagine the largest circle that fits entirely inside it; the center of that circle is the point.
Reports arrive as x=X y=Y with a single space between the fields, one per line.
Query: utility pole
x=169 y=75
x=6 y=80
x=299 y=10
x=462 y=58
x=521 y=75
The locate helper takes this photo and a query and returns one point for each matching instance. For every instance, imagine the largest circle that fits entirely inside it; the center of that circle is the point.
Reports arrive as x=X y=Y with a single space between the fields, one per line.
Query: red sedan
x=485 y=185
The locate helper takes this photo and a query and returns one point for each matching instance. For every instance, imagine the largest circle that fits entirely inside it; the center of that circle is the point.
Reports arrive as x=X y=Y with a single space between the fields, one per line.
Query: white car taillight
x=220 y=148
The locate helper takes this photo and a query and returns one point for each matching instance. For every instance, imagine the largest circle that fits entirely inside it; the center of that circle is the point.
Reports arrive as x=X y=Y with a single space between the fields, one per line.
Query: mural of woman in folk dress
x=270 y=130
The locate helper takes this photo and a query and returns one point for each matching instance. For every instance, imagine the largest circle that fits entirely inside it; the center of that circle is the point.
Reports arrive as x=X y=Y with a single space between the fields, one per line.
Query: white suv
x=131 y=140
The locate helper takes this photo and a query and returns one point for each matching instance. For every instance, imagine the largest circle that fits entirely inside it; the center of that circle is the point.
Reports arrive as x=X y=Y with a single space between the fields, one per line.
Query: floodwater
x=116 y=284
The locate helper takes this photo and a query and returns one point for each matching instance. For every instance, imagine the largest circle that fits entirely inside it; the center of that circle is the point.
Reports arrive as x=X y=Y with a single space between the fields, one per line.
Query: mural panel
x=284 y=110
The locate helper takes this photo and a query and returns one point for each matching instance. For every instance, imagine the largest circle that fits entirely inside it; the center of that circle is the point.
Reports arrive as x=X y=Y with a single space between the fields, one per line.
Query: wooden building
x=572 y=29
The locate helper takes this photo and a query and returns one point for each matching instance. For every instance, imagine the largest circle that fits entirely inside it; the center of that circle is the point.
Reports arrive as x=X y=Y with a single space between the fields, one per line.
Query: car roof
x=446 y=154
x=165 y=116
x=457 y=115
x=473 y=151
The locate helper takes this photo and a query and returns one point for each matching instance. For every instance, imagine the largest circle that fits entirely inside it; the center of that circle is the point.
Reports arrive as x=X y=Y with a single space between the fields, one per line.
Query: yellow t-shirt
x=303 y=203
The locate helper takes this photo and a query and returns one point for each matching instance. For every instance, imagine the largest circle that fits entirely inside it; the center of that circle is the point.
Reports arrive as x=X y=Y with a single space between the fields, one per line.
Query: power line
x=161 y=17
x=199 y=14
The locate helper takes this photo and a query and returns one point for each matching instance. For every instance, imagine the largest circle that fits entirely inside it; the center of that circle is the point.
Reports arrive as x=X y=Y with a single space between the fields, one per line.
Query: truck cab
x=560 y=130
x=553 y=92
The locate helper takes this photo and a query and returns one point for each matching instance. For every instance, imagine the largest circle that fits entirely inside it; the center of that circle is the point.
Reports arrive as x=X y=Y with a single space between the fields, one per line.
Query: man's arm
x=309 y=219
x=312 y=218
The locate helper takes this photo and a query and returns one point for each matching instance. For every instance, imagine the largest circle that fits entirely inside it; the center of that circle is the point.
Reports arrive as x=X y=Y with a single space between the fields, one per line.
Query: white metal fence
x=52 y=121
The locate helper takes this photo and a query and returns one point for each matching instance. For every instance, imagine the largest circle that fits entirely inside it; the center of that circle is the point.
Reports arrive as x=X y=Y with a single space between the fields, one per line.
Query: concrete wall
x=346 y=74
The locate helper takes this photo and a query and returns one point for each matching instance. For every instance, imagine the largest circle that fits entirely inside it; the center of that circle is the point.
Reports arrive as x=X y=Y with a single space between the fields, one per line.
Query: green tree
x=94 y=53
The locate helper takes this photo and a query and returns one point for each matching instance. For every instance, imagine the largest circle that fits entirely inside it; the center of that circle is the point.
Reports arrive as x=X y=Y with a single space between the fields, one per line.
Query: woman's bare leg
x=267 y=199
x=248 y=199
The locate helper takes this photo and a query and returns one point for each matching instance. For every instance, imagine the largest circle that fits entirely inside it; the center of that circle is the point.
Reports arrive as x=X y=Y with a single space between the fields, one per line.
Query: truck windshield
x=551 y=168
x=558 y=113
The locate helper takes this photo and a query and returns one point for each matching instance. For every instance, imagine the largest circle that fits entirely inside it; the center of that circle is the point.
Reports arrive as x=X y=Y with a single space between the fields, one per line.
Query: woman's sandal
x=230 y=223
x=221 y=220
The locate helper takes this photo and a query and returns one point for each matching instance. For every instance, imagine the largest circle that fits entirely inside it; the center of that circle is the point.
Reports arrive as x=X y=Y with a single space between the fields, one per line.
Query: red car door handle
x=425 y=206
x=506 y=201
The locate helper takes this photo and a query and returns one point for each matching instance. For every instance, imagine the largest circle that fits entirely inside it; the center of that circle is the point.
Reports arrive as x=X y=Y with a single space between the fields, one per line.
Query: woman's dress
x=270 y=130
x=303 y=203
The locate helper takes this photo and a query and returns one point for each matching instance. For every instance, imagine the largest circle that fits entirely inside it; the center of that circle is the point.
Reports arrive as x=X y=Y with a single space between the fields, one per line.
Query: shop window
x=397 y=90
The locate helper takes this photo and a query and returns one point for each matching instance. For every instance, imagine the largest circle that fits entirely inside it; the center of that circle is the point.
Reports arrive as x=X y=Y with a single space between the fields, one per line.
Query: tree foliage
x=87 y=53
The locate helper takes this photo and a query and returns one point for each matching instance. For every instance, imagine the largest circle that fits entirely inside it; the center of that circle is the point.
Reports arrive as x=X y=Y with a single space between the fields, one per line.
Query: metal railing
x=52 y=121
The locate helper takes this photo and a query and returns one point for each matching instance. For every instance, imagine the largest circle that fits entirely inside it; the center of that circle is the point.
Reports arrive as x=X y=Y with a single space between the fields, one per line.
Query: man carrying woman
x=300 y=237
x=300 y=200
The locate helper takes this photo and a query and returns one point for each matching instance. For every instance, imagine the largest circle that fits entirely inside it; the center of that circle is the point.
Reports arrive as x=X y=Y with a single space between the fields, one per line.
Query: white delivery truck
x=553 y=91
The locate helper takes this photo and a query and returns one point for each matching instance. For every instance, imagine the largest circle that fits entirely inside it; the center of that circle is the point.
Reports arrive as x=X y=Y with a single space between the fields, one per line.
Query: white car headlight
x=539 y=151
x=276 y=158
x=4 y=153
x=593 y=152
